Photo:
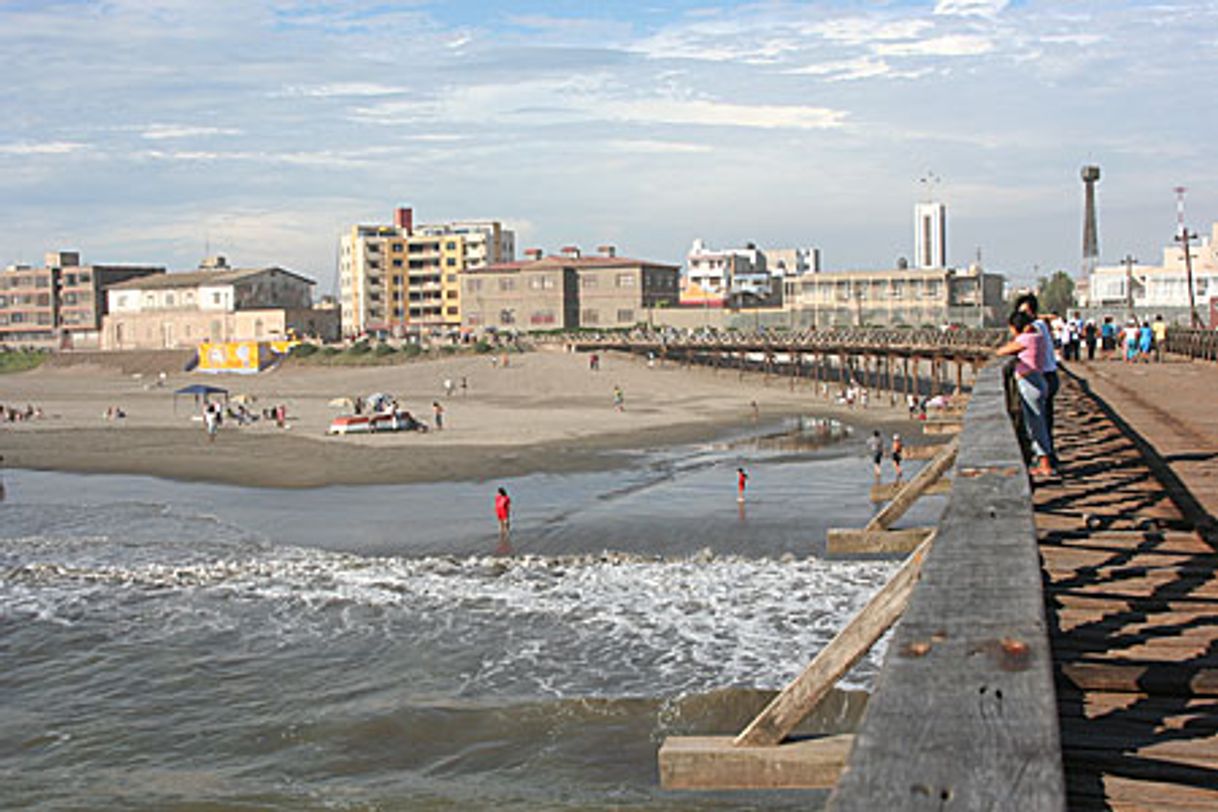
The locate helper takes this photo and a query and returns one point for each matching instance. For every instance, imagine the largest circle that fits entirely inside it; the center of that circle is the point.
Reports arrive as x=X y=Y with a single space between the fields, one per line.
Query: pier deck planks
x=1133 y=615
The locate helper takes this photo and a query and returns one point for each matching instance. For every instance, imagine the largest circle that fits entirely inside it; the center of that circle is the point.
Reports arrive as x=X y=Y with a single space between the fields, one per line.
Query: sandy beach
x=546 y=410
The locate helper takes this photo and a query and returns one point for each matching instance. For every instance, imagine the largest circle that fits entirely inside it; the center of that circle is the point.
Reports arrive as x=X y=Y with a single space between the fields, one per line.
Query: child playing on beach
x=742 y=479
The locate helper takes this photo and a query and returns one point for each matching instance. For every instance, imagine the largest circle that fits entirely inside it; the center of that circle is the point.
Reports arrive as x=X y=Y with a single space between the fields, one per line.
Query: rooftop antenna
x=930 y=182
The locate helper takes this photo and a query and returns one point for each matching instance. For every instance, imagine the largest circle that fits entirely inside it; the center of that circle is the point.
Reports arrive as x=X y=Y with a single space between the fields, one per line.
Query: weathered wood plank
x=1160 y=679
x=941 y=427
x=922 y=452
x=846 y=648
x=840 y=541
x=885 y=491
x=926 y=476
x=964 y=711
x=713 y=762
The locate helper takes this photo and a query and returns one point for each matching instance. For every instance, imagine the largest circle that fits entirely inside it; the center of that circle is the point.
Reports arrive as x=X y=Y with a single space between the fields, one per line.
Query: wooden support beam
x=922 y=452
x=941 y=425
x=800 y=698
x=887 y=490
x=846 y=542
x=927 y=476
x=713 y=763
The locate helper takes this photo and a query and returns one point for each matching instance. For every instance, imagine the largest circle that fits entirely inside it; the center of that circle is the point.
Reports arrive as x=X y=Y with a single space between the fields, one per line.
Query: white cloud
x=156 y=132
x=45 y=148
x=865 y=30
x=1082 y=40
x=341 y=89
x=723 y=114
x=970 y=8
x=863 y=67
x=654 y=147
x=949 y=45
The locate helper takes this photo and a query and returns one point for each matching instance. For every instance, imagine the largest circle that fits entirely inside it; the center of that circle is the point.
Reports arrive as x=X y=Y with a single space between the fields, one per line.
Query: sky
x=154 y=131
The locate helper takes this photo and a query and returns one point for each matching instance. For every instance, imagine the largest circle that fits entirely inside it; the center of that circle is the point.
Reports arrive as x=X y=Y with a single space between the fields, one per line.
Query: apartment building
x=400 y=278
x=718 y=277
x=567 y=290
x=894 y=297
x=215 y=303
x=62 y=303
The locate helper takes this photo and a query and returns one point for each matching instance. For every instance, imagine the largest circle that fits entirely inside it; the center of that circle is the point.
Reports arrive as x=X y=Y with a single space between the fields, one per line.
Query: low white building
x=215 y=303
x=1161 y=287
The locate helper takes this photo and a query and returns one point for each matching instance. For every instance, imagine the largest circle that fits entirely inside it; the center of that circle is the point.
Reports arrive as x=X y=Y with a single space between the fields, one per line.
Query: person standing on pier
x=1026 y=346
x=1047 y=366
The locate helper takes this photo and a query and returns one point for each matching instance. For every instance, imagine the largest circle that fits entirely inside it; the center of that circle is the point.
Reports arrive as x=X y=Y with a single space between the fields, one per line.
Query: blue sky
x=147 y=130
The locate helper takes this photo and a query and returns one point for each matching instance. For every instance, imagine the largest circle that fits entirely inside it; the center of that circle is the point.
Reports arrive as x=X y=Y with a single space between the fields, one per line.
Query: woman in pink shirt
x=1026 y=346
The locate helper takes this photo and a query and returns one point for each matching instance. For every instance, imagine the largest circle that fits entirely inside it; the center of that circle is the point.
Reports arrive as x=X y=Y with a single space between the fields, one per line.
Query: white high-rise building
x=930 y=235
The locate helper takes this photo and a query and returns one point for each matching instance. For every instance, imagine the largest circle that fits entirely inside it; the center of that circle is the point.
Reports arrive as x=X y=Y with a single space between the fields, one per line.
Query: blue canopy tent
x=200 y=391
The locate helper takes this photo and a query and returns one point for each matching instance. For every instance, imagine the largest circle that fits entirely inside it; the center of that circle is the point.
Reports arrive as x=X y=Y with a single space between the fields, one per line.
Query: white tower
x=930 y=235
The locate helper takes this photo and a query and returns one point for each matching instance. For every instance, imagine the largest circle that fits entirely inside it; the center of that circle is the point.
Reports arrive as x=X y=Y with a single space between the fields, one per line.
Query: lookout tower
x=1091 y=234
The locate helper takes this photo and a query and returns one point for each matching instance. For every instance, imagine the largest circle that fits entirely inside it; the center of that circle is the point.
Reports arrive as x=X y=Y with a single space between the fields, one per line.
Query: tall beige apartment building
x=401 y=278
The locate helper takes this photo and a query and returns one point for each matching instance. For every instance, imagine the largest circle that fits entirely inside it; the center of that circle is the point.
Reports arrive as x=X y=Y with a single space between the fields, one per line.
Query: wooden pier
x=921 y=362
x=1054 y=647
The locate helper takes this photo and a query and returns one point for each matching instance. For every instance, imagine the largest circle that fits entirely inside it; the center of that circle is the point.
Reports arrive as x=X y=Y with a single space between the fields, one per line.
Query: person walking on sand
x=438 y=412
x=875 y=447
x=898 y=449
x=503 y=512
x=742 y=479
x=211 y=421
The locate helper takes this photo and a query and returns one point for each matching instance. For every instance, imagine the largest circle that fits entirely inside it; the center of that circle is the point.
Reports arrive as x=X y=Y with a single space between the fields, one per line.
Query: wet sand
x=545 y=411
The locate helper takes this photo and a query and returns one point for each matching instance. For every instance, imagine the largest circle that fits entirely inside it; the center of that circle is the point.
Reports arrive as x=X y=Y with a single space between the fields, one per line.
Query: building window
x=587 y=281
x=507 y=284
x=215 y=298
x=625 y=280
x=625 y=315
x=169 y=300
x=590 y=316
x=397 y=263
x=450 y=246
x=451 y=279
x=542 y=317
x=450 y=294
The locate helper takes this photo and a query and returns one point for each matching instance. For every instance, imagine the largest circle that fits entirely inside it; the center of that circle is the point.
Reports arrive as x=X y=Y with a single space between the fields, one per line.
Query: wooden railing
x=964 y=714
x=1200 y=344
x=861 y=339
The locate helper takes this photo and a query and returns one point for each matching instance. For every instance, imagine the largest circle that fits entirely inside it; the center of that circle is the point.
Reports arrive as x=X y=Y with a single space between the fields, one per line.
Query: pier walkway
x=1130 y=561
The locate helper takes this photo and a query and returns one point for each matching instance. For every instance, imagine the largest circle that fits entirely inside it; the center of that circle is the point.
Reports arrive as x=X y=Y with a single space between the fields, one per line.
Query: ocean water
x=183 y=646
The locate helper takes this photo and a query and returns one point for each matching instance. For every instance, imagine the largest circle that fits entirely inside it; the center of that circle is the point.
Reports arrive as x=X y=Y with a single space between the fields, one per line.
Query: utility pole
x=1129 y=261
x=1182 y=237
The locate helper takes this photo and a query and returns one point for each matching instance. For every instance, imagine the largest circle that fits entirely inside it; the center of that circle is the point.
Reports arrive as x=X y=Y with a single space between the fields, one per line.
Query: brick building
x=62 y=303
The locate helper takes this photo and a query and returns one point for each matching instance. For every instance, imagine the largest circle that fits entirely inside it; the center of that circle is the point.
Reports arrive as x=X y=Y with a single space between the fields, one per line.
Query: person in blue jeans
x=1026 y=345
x=1028 y=305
